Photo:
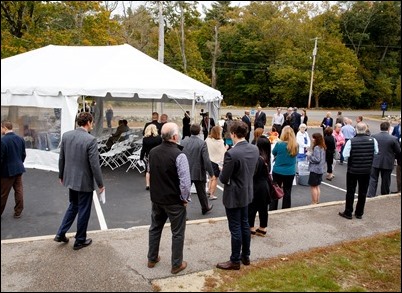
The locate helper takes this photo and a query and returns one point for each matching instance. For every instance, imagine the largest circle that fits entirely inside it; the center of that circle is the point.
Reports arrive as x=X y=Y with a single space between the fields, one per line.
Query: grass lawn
x=366 y=265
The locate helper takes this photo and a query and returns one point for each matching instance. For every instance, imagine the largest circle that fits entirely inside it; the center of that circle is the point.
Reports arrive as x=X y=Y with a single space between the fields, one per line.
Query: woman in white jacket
x=216 y=151
x=304 y=142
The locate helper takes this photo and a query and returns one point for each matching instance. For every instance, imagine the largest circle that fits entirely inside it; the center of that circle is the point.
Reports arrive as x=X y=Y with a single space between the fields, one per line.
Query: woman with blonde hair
x=284 y=169
x=150 y=140
x=216 y=151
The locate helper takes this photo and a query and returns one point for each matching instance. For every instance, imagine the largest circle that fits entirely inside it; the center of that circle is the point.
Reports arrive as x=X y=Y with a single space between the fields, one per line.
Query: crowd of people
x=205 y=153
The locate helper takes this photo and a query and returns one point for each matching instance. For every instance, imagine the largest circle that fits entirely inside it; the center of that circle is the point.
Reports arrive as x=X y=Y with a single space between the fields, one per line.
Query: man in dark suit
x=12 y=166
x=260 y=119
x=155 y=118
x=383 y=162
x=239 y=162
x=295 y=120
x=207 y=123
x=247 y=119
x=186 y=124
x=79 y=171
x=197 y=154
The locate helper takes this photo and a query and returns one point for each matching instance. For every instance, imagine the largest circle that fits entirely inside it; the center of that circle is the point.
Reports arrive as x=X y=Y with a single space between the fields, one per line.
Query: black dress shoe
x=245 y=260
x=208 y=210
x=59 y=238
x=358 y=216
x=345 y=215
x=79 y=245
x=229 y=265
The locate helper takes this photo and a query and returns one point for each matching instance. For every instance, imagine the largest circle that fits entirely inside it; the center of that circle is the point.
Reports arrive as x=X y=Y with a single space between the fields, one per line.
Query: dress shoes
x=152 y=264
x=178 y=269
x=359 y=216
x=245 y=260
x=59 y=238
x=345 y=215
x=79 y=245
x=208 y=210
x=229 y=265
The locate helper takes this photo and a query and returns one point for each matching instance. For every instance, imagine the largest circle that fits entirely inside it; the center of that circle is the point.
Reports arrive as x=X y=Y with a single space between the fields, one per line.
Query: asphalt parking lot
x=127 y=202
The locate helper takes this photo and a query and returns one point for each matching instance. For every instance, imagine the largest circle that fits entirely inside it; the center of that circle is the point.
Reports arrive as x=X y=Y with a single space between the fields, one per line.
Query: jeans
x=81 y=204
x=240 y=233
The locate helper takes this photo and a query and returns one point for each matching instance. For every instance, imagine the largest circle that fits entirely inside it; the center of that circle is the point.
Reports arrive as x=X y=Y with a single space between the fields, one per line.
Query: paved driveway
x=127 y=201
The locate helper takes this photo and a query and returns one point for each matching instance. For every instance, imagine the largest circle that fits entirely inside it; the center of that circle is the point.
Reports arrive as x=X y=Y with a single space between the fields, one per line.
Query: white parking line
x=333 y=186
x=99 y=212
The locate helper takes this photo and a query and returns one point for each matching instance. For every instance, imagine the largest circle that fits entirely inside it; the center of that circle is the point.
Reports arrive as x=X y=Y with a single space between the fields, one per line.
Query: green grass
x=365 y=265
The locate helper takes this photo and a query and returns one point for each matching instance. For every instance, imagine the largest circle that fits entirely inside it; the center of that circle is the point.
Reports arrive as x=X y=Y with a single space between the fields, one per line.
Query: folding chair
x=111 y=157
x=135 y=162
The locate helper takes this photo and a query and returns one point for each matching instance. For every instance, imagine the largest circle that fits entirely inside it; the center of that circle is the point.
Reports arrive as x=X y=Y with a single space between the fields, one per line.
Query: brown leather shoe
x=181 y=267
x=245 y=260
x=229 y=265
x=152 y=264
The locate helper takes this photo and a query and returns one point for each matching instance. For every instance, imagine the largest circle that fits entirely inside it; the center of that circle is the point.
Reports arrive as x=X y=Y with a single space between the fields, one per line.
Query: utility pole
x=161 y=45
x=312 y=73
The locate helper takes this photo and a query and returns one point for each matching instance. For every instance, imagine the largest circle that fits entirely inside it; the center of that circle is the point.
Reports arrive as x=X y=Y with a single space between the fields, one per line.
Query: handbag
x=276 y=190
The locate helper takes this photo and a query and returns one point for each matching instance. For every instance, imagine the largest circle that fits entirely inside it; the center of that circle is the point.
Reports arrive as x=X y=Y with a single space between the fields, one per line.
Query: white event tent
x=56 y=76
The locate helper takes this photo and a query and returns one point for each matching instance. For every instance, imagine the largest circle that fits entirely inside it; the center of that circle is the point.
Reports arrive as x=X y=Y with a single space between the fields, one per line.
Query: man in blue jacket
x=12 y=166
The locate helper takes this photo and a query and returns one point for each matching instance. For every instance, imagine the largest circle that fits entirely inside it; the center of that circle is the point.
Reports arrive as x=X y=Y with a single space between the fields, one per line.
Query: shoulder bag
x=276 y=190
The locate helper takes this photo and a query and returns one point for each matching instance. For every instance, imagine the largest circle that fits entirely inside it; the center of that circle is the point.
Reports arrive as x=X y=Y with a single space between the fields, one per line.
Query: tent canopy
x=122 y=71
x=56 y=76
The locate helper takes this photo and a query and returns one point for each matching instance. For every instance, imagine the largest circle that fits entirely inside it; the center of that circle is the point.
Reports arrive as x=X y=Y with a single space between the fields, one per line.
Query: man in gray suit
x=79 y=170
x=237 y=175
x=197 y=154
x=383 y=162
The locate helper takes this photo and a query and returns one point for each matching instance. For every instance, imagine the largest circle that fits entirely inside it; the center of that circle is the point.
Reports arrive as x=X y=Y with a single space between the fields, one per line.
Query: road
x=127 y=202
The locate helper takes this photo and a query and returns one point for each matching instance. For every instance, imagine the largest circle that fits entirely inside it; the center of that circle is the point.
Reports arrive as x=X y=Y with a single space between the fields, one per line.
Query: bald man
x=170 y=186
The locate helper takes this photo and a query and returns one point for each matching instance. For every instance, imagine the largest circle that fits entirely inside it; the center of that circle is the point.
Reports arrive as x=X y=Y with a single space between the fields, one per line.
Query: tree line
x=260 y=53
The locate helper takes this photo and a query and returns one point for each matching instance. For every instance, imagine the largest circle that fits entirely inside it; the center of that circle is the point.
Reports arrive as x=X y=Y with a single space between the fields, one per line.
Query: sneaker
x=212 y=197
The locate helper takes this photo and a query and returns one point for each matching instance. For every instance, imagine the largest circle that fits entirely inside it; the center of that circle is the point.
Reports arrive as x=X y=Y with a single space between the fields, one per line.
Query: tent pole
x=193 y=108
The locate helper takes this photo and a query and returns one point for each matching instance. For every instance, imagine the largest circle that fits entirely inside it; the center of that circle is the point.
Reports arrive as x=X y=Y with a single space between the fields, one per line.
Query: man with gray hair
x=359 y=151
x=196 y=151
x=170 y=185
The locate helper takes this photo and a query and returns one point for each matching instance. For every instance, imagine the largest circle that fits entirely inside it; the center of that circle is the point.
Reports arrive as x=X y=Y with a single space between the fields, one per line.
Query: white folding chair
x=111 y=157
x=135 y=162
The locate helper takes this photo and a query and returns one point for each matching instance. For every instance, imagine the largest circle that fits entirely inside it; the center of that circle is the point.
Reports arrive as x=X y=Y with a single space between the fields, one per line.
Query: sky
x=207 y=4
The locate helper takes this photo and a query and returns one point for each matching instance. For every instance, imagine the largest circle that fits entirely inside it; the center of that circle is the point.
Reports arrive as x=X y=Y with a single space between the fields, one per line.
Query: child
x=273 y=135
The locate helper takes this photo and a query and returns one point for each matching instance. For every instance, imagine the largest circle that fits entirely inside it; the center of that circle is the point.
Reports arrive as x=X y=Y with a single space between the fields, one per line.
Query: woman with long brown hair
x=316 y=166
